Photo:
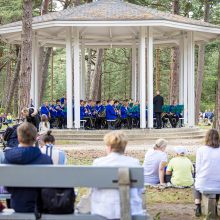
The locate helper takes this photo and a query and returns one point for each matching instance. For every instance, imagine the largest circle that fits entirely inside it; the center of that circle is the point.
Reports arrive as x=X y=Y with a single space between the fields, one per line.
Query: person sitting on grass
x=58 y=156
x=24 y=199
x=180 y=168
x=154 y=163
x=106 y=202
x=207 y=167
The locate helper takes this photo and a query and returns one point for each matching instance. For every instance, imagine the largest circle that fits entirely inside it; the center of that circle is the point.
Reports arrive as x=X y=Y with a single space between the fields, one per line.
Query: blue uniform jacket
x=110 y=113
x=124 y=112
x=23 y=199
x=82 y=112
x=44 y=110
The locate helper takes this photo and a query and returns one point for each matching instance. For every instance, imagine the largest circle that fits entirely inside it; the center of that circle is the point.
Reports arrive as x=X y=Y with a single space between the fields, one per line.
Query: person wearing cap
x=181 y=168
x=154 y=163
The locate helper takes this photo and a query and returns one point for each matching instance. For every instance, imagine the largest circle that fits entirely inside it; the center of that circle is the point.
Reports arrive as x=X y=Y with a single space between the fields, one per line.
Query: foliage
x=116 y=76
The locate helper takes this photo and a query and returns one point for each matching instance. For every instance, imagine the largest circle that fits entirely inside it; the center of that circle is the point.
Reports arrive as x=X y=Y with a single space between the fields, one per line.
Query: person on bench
x=23 y=199
x=180 y=168
x=58 y=156
x=106 y=202
x=207 y=167
x=154 y=163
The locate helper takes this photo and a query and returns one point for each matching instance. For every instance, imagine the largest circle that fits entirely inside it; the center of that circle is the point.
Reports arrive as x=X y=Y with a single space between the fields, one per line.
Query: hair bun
x=49 y=132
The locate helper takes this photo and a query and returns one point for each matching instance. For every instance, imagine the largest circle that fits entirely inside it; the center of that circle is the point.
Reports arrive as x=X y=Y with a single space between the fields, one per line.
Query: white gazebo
x=114 y=23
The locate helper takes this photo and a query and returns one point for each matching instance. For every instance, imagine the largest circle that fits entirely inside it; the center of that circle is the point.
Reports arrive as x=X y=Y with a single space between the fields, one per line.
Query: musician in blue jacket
x=44 y=110
x=84 y=116
x=99 y=109
x=125 y=115
x=110 y=111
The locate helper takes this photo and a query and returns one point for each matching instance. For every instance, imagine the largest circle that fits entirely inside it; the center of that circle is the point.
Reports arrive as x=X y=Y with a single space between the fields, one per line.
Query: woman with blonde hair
x=207 y=167
x=106 y=202
x=154 y=163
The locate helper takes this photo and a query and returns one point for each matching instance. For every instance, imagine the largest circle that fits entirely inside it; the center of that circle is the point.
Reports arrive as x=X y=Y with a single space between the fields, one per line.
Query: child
x=181 y=169
x=9 y=118
x=57 y=156
x=44 y=125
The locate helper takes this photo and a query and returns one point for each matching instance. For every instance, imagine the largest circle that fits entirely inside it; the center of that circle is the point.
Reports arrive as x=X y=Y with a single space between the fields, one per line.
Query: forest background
x=108 y=71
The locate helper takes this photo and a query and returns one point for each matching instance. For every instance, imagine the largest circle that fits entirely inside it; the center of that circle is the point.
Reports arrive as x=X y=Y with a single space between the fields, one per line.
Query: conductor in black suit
x=158 y=104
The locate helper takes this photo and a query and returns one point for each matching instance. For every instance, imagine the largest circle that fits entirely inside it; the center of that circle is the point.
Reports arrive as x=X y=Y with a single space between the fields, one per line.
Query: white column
x=191 y=80
x=134 y=71
x=36 y=74
x=69 y=78
x=150 y=72
x=76 y=79
x=83 y=71
x=185 y=76
x=142 y=78
x=138 y=76
x=181 y=76
x=32 y=92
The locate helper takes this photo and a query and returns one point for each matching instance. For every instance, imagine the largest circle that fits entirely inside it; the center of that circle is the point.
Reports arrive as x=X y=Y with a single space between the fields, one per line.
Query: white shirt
x=43 y=128
x=152 y=161
x=58 y=156
x=106 y=202
x=207 y=168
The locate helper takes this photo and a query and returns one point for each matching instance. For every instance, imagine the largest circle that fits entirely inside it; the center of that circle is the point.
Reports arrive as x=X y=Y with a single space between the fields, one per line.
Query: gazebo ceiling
x=110 y=22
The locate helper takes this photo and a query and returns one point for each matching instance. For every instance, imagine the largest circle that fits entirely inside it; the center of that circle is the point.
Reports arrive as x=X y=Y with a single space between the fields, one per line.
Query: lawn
x=164 y=203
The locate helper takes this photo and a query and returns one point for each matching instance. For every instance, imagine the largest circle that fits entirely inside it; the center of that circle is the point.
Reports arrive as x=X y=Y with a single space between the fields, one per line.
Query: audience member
x=154 y=163
x=23 y=199
x=106 y=202
x=58 y=156
x=180 y=168
x=44 y=125
x=207 y=167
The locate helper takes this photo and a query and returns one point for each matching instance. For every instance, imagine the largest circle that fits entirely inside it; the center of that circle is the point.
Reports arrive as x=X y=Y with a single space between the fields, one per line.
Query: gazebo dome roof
x=112 y=10
x=110 y=21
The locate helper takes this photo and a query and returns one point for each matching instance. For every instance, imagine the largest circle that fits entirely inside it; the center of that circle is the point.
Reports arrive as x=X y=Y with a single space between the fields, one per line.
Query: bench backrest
x=66 y=176
x=76 y=176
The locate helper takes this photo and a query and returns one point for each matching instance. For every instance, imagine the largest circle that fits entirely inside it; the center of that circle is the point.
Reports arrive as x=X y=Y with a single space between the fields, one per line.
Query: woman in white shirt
x=207 y=167
x=106 y=202
x=154 y=163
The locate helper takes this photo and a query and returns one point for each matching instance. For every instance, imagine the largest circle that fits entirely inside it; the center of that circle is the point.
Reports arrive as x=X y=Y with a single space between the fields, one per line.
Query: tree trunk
x=201 y=65
x=16 y=98
x=216 y=123
x=95 y=81
x=45 y=72
x=26 y=51
x=157 y=69
x=14 y=82
x=89 y=68
x=7 y=84
x=174 y=73
x=44 y=57
x=174 y=76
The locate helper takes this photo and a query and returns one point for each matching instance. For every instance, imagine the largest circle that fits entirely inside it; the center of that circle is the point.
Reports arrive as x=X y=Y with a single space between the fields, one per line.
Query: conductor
x=158 y=104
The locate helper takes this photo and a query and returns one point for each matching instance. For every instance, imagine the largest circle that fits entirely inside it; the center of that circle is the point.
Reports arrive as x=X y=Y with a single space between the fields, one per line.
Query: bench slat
x=9 y=214
x=210 y=191
x=65 y=176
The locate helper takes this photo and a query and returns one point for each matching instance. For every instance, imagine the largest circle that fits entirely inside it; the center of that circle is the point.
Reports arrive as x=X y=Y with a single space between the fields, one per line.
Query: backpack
x=55 y=201
x=8 y=132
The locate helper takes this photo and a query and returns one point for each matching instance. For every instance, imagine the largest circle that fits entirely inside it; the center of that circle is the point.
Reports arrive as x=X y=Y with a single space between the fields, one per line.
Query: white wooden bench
x=210 y=202
x=73 y=176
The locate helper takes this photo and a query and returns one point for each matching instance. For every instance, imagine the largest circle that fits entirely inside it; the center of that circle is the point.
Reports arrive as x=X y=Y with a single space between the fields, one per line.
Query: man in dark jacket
x=24 y=199
x=158 y=104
